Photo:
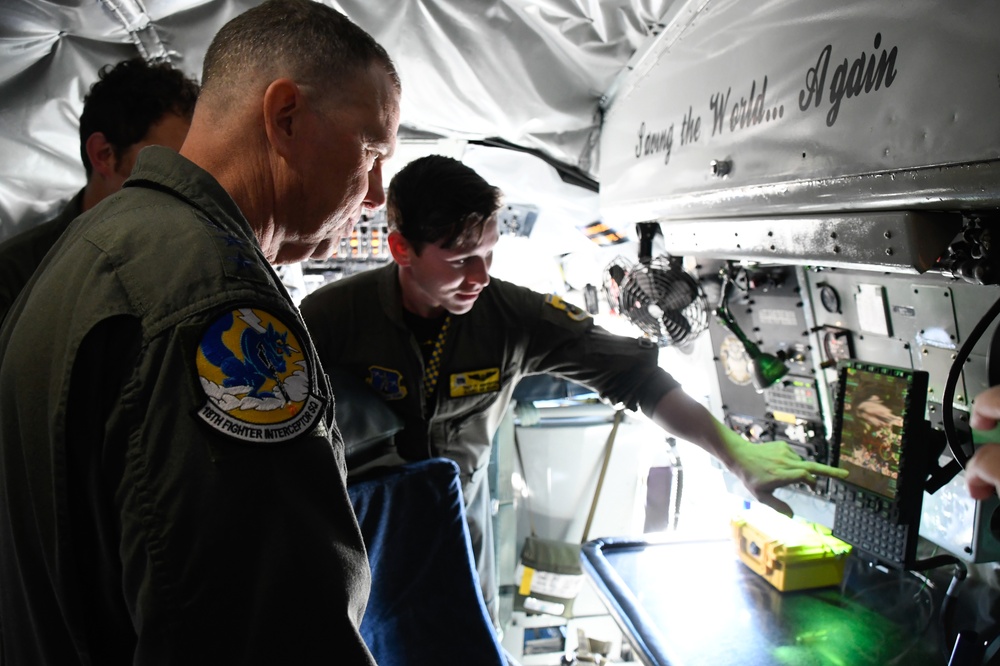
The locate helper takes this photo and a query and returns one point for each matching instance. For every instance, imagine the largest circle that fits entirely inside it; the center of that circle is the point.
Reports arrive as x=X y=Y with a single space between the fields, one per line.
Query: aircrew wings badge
x=474 y=383
x=258 y=381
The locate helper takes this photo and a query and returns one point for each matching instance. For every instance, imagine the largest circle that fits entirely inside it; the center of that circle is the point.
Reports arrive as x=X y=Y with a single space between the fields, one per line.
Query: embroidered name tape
x=474 y=382
x=258 y=382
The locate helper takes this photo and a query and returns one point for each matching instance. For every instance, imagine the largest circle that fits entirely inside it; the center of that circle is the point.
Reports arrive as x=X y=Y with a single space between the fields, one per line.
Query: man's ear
x=283 y=102
x=400 y=248
x=101 y=154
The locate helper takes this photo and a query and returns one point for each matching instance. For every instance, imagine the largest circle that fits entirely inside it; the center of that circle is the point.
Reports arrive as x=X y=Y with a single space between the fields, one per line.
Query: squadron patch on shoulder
x=258 y=382
x=474 y=382
x=572 y=311
x=387 y=382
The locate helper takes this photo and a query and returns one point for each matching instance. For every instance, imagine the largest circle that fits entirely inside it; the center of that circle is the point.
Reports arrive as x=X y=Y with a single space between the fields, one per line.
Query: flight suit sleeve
x=563 y=340
x=238 y=540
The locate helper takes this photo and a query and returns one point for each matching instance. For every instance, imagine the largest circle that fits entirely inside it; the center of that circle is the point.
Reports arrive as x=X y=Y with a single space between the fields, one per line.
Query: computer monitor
x=878 y=410
x=880 y=438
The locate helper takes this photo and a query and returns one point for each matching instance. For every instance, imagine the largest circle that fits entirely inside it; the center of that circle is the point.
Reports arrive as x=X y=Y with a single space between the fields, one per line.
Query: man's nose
x=478 y=273
x=375 y=197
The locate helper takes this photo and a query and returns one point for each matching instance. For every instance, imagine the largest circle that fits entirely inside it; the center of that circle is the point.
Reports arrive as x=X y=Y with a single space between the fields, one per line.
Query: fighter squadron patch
x=572 y=311
x=257 y=380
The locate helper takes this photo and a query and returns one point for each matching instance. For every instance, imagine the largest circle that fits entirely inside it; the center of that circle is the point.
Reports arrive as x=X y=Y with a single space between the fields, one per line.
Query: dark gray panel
x=975 y=373
x=841 y=284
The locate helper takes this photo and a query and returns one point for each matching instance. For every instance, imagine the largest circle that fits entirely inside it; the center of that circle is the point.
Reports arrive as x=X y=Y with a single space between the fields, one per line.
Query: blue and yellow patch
x=386 y=381
x=475 y=382
x=258 y=381
x=572 y=311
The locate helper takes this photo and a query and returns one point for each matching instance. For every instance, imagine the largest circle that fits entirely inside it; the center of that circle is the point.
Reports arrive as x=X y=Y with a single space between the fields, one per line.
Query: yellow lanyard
x=433 y=368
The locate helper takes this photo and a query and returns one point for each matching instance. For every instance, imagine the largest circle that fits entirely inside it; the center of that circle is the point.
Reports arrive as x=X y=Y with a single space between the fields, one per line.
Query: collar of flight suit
x=166 y=170
x=390 y=294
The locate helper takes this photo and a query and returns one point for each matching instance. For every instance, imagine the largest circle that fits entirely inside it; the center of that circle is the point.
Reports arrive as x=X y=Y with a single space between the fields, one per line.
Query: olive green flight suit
x=358 y=328
x=172 y=486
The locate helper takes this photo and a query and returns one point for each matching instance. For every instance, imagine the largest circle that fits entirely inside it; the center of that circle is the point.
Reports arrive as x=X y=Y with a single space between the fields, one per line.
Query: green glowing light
x=767 y=370
x=835 y=635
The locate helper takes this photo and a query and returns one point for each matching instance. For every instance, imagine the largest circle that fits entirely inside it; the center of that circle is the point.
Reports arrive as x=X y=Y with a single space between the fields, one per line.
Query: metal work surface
x=695 y=603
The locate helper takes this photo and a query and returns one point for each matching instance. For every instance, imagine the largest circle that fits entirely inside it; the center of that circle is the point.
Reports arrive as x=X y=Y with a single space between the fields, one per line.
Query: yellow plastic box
x=790 y=554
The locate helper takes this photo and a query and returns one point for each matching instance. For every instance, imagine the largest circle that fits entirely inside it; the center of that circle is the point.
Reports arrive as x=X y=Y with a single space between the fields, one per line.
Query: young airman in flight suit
x=445 y=345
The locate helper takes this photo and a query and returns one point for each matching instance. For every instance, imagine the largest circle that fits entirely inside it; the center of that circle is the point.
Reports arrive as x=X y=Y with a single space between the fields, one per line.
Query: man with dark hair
x=172 y=483
x=132 y=105
x=445 y=345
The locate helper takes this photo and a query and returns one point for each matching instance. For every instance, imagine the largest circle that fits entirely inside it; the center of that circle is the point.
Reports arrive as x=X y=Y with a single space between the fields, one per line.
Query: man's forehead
x=383 y=124
x=487 y=238
x=367 y=91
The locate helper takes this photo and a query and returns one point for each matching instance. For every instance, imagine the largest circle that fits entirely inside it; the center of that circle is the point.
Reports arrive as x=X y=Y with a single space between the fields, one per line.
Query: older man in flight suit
x=445 y=346
x=171 y=484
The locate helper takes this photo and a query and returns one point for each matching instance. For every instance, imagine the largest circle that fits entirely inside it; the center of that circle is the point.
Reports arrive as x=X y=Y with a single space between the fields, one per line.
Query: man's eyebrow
x=384 y=147
x=455 y=253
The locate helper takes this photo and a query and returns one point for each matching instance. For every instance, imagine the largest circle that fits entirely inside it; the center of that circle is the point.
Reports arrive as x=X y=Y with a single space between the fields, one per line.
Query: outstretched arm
x=761 y=467
x=982 y=474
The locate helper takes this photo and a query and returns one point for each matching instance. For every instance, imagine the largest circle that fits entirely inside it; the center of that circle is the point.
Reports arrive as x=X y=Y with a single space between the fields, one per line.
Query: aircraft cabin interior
x=796 y=204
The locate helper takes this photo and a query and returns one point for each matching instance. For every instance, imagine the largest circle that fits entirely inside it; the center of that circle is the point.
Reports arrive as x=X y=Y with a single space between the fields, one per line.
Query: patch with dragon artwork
x=258 y=381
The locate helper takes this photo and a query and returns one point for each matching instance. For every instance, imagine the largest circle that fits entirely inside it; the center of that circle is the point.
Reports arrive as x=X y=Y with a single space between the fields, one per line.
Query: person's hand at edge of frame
x=982 y=474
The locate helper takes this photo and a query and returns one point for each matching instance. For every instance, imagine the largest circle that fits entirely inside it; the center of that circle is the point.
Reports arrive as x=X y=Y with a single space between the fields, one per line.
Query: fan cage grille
x=659 y=298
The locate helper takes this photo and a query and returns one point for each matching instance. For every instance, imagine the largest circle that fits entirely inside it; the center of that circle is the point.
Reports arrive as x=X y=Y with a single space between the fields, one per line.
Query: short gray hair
x=304 y=40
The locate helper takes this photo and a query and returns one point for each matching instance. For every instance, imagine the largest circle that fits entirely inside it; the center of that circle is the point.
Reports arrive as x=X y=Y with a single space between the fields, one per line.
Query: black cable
x=948 y=397
x=950 y=600
x=940 y=561
x=951 y=595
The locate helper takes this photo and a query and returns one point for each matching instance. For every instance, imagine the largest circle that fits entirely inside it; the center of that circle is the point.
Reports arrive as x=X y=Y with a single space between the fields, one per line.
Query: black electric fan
x=657 y=295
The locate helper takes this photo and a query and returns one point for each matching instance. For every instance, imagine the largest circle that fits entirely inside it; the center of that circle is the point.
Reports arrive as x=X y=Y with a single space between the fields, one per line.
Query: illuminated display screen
x=872 y=426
